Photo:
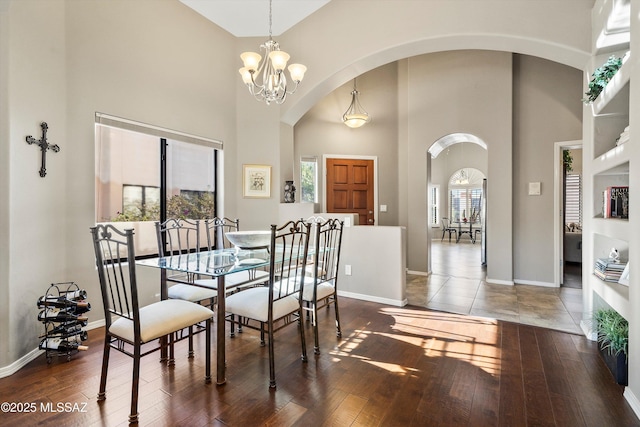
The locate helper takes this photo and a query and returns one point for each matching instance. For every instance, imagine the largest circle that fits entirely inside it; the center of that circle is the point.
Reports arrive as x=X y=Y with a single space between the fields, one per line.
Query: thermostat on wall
x=534 y=188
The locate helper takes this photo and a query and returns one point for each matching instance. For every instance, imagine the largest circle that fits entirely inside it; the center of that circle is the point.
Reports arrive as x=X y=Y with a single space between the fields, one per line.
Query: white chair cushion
x=253 y=303
x=161 y=318
x=324 y=290
x=190 y=293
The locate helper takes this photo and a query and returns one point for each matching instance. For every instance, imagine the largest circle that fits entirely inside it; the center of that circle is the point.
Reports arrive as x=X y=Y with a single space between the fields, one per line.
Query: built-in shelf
x=614 y=228
x=613 y=162
x=615 y=294
x=614 y=98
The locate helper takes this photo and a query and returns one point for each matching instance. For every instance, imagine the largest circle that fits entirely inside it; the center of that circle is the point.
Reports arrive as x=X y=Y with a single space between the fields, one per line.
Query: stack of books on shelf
x=609 y=270
x=616 y=202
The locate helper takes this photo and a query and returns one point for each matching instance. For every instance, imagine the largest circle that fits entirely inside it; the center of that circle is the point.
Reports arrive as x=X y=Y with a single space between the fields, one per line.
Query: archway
x=457 y=171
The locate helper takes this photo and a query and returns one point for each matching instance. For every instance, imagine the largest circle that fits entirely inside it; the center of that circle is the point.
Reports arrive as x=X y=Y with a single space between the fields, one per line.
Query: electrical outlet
x=347 y=270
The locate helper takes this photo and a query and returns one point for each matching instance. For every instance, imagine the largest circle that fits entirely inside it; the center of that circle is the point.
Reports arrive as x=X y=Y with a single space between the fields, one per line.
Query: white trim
x=587 y=329
x=9 y=370
x=363 y=297
x=132 y=125
x=535 y=283
x=557 y=206
x=419 y=273
x=354 y=157
x=499 y=282
x=632 y=400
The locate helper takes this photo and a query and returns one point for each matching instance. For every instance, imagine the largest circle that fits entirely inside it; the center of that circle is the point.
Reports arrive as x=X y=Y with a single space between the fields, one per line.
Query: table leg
x=220 y=337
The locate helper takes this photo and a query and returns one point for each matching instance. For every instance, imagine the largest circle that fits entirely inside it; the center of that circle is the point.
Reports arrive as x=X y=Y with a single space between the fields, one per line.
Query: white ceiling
x=250 y=18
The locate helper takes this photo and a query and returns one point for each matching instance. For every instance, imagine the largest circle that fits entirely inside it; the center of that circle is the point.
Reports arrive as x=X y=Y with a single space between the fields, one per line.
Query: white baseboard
x=396 y=303
x=499 y=282
x=535 y=283
x=9 y=370
x=587 y=329
x=419 y=273
x=632 y=400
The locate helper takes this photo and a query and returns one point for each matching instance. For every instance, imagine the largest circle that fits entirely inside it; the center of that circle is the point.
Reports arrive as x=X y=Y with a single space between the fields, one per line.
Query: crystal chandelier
x=355 y=116
x=272 y=87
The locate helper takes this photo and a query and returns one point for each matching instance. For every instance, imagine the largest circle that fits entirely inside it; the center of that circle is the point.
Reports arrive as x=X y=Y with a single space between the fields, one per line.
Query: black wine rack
x=68 y=330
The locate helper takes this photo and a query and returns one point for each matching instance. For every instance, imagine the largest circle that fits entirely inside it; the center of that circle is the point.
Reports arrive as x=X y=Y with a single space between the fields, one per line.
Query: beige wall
x=67 y=60
x=546 y=99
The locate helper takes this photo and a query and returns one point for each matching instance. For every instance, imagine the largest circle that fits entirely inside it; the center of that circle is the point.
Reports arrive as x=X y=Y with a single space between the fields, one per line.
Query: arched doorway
x=457 y=174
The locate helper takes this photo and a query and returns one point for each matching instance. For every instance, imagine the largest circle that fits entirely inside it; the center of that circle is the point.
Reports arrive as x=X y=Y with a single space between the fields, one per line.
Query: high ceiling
x=250 y=18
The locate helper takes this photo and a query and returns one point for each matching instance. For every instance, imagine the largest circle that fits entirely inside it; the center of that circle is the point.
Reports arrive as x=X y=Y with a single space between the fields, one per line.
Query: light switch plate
x=534 y=188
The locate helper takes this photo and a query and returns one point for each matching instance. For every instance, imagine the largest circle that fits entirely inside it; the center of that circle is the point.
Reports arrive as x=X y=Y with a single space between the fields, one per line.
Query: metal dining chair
x=321 y=286
x=182 y=237
x=268 y=309
x=129 y=328
x=447 y=228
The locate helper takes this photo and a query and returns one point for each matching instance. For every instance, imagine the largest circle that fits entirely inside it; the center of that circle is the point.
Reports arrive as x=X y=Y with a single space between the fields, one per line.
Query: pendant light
x=355 y=116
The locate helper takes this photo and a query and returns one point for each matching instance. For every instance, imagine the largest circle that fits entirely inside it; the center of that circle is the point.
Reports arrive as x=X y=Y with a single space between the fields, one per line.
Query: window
x=136 y=169
x=465 y=195
x=465 y=203
x=435 y=205
x=309 y=180
x=573 y=199
x=140 y=201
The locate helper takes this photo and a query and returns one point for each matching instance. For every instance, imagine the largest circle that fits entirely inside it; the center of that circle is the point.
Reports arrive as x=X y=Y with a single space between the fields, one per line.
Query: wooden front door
x=350 y=188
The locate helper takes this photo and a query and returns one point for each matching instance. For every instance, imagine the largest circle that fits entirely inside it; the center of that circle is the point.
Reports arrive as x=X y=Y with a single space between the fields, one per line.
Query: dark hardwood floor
x=393 y=366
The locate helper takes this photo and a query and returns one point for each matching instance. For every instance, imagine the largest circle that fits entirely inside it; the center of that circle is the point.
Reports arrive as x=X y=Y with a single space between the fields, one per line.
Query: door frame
x=351 y=157
x=558 y=207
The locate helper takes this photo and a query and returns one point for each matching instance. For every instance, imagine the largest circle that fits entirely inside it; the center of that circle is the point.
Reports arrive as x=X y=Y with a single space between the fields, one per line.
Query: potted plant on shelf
x=601 y=77
x=613 y=342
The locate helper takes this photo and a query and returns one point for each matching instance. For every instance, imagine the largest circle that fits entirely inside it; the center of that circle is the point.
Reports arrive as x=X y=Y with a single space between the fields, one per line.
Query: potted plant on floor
x=613 y=342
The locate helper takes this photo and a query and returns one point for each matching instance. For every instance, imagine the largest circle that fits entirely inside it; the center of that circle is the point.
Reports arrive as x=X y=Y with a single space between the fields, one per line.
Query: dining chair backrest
x=178 y=236
x=288 y=257
x=445 y=223
x=328 y=242
x=217 y=228
x=115 y=260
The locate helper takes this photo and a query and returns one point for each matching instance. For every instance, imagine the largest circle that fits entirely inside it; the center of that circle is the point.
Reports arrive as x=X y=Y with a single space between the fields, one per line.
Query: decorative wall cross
x=44 y=146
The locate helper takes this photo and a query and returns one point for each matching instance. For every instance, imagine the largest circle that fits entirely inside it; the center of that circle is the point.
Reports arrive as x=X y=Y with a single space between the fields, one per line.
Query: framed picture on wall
x=256 y=181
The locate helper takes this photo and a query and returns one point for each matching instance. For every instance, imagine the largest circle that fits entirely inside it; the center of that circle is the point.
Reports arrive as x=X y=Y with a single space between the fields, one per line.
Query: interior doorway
x=568 y=214
x=350 y=185
x=457 y=169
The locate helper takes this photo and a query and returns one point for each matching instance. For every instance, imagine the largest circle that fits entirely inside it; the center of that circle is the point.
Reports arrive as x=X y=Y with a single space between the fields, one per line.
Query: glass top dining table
x=216 y=264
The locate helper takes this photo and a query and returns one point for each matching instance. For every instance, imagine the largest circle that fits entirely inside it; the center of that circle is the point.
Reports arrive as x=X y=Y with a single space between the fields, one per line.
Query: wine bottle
x=53 y=314
x=65 y=330
x=63 y=302
x=78 y=294
x=60 y=344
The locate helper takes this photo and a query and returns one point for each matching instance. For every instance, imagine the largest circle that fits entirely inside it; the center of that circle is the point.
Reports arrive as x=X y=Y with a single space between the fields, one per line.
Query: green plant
x=199 y=206
x=601 y=77
x=613 y=331
x=567 y=159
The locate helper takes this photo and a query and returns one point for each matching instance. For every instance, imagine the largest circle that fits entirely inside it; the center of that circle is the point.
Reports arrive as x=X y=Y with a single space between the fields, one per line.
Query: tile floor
x=457 y=285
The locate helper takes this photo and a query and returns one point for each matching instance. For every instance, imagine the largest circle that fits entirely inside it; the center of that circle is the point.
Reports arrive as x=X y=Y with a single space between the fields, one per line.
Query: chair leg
x=172 y=358
x=272 y=364
x=233 y=326
x=303 y=341
x=105 y=368
x=314 y=322
x=262 y=343
x=207 y=375
x=133 y=417
x=191 y=353
x=335 y=304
